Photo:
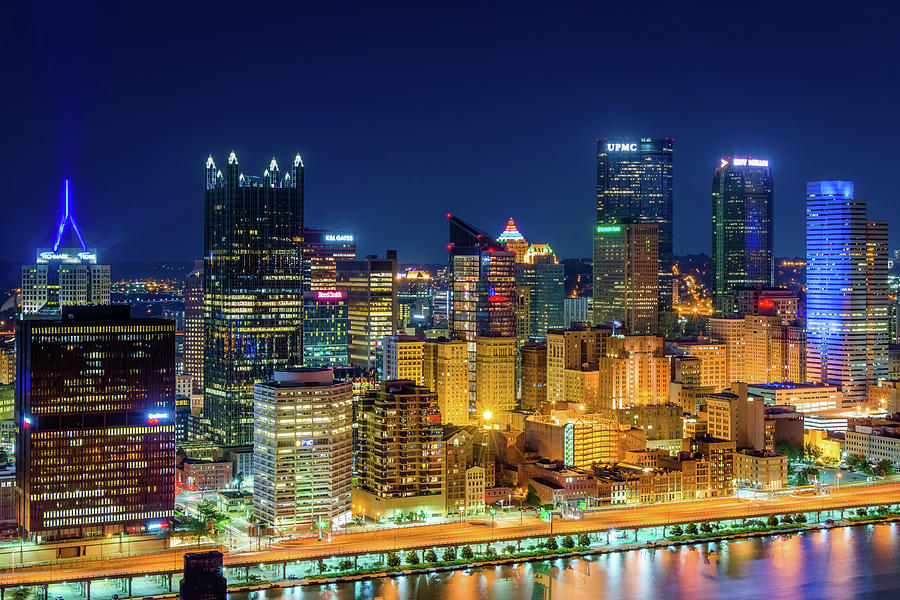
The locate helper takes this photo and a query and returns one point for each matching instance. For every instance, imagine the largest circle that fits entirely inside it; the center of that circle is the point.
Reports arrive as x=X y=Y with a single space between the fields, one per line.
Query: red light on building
x=497 y=299
x=766 y=303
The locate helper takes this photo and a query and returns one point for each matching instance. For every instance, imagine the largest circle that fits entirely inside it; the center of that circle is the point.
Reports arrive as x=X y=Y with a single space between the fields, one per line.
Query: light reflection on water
x=851 y=562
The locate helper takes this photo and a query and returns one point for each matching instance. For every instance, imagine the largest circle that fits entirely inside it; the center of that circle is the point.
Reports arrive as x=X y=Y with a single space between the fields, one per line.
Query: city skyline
x=436 y=109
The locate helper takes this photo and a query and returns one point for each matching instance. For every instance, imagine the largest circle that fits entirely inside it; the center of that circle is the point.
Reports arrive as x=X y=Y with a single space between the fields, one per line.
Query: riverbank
x=482 y=561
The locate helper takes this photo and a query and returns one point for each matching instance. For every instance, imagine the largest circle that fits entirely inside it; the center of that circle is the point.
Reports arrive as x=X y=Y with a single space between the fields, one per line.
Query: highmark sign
x=630 y=147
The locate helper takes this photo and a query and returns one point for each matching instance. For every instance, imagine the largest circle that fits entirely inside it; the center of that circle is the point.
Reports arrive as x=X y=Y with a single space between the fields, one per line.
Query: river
x=839 y=564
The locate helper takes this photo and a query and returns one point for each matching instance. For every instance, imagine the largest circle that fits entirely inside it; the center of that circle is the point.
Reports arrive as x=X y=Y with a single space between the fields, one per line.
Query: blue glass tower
x=846 y=301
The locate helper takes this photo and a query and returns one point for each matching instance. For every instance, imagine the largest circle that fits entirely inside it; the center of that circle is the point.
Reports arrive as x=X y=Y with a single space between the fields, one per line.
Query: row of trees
x=882 y=468
x=709 y=527
x=452 y=553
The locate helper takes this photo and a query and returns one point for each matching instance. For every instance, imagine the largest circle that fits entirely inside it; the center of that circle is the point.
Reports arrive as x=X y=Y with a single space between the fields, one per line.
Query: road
x=470 y=532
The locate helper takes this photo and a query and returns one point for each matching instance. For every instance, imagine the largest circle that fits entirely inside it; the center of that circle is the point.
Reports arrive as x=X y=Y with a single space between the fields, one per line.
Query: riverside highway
x=508 y=527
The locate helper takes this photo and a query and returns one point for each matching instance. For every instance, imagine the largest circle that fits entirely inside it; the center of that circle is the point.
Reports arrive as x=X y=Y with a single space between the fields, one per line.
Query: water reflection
x=841 y=563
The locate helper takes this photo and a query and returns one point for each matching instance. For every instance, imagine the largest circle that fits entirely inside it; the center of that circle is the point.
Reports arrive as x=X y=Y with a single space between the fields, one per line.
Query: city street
x=474 y=531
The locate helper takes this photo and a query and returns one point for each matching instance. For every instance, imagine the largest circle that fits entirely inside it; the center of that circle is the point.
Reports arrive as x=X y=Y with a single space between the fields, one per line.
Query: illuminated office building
x=534 y=375
x=846 y=300
x=303 y=449
x=193 y=325
x=252 y=289
x=65 y=274
x=634 y=185
x=544 y=278
x=625 y=277
x=482 y=289
x=325 y=329
x=402 y=358
x=634 y=372
x=513 y=240
x=742 y=238
x=400 y=461
x=414 y=299
x=370 y=285
x=95 y=404
x=321 y=251
x=445 y=371
x=495 y=375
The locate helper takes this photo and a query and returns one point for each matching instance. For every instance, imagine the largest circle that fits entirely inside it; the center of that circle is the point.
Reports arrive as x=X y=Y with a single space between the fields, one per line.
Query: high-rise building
x=634 y=372
x=65 y=274
x=513 y=240
x=400 y=459
x=482 y=289
x=95 y=403
x=303 y=449
x=737 y=417
x=495 y=375
x=846 y=301
x=742 y=238
x=544 y=278
x=576 y=310
x=626 y=277
x=445 y=371
x=414 y=299
x=321 y=251
x=713 y=365
x=402 y=358
x=634 y=185
x=253 y=289
x=325 y=329
x=576 y=349
x=370 y=285
x=534 y=375
x=193 y=326
x=773 y=351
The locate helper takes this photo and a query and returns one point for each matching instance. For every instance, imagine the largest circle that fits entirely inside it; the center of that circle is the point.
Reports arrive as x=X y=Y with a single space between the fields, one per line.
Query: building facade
x=193 y=326
x=95 y=400
x=626 y=277
x=635 y=185
x=445 y=371
x=252 y=287
x=303 y=449
x=743 y=222
x=846 y=301
x=326 y=327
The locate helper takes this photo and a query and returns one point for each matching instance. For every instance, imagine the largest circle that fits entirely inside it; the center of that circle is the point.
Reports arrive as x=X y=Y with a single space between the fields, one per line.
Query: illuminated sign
x=609 y=228
x=341 y=237
x=27 y=422
x=307 y=442
x=621 y=147
x=497 y=299
x=766 y=303
x=749 y=162
x=154 y=418
x=334 y=295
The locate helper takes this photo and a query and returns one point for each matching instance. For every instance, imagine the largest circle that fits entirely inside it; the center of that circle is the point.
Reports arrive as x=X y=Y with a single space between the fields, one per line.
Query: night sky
x=403 y=112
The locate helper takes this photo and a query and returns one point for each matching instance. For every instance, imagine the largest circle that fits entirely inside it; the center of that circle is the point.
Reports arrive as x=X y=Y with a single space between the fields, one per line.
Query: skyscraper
x=482 y=289
x=742 y=237
x=193 y=325
x=846 y=301
x=65 y=274
x=543 y=277
x=321 y=251
x=303 y=449
x=325 y=329
x=370 y=286
x=634 y=185
x=625 y=277
x=253 y=291
x=95 y=403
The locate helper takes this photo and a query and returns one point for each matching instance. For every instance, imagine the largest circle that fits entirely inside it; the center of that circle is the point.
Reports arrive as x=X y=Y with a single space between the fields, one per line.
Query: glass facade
x=634 y=185
x=95 y=408
x=325 y=329
x=253 y=289
x=742 y=237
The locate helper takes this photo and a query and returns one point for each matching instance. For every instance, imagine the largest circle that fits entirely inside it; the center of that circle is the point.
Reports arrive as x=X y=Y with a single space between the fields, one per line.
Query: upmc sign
x=621 y=147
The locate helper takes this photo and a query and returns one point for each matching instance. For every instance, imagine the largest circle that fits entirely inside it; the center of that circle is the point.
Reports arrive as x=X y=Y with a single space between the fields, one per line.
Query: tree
x=772 y=521
x=584 y=540
x=20 y=593
x=786 y=519
x=489 y=551
x=532 y=499
x=551 y=544
x=862 y=512
x=691 y=529
x=430 y=556
x=449 y=553
x=793 y=451
x=208 y=513
x=393 y=560
x=676 y=530
x=883 y=468
x=568 y=542
x=320 y=565
x=197 y=527
x=705 y=527
x=466 y=553
x=882 y=510
x=800 y=518
x=509 y=549
x=345 y=565
x=412 y=557
x=812 y=453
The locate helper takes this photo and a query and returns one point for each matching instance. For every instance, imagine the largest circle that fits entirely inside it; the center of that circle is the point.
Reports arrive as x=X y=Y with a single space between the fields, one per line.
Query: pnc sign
x=632 y=147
